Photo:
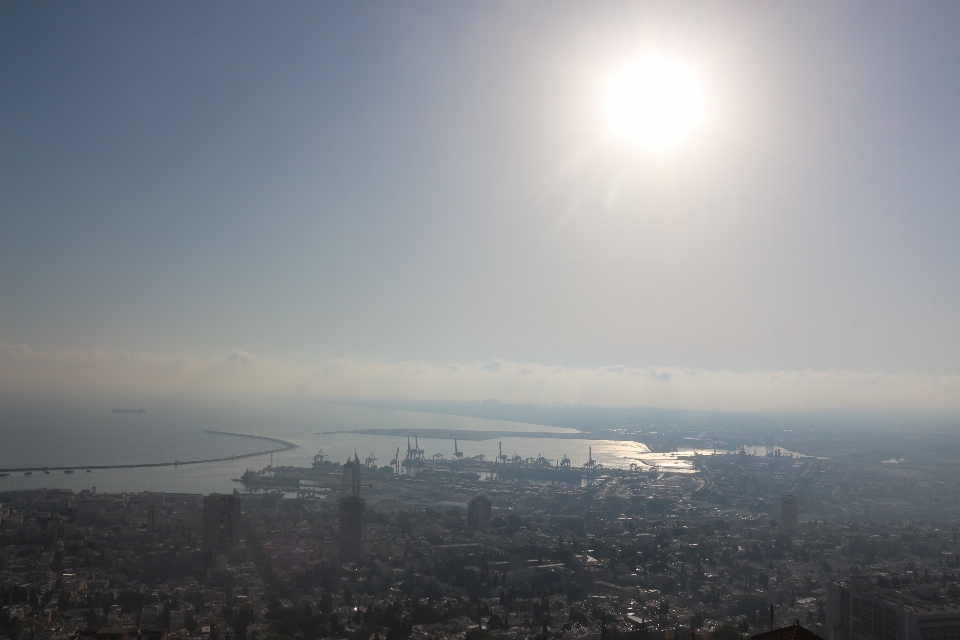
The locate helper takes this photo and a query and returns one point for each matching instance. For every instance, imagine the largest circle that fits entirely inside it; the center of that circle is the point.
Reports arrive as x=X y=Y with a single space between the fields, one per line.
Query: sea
x=79 y=432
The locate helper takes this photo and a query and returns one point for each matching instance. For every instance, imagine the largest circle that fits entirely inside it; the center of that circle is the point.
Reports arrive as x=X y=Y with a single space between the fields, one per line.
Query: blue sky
x=434 y=183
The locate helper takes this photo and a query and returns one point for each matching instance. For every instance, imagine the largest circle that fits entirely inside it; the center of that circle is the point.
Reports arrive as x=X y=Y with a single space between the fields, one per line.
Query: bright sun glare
x=655 y=103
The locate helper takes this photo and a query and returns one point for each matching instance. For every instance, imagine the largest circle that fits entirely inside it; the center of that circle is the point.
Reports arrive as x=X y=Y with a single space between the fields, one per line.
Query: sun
x=654 y=103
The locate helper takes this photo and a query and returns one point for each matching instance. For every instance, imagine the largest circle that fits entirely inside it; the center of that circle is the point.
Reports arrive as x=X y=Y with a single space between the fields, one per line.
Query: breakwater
x=284 y=446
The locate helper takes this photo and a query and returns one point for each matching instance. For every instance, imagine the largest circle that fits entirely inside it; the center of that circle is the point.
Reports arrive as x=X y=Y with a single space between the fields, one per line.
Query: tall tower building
x=352 y=513
x=221 y=521
x=350 y=483
x=352 y=523
x=152 y=518
x=788 y=514
x=478 y=514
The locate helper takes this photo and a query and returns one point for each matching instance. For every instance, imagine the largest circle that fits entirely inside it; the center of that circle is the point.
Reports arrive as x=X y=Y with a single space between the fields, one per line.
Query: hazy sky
x=370 y=192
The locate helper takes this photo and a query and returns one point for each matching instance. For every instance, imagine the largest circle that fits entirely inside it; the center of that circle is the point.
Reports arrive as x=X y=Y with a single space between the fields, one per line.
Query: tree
x=696 y=621
x=9 y=627
x=726 y=633
x=243 y=621
x=131 y=601
x=664 y=608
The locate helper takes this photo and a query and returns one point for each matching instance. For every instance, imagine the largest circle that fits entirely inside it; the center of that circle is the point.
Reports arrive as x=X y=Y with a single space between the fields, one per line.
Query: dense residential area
x=723 y=551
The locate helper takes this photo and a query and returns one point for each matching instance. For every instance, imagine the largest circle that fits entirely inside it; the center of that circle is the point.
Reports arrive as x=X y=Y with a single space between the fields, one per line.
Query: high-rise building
x=89 y=511
x=194 y=519
x=350 y=482
x=152 y=518
x=788 y=514
x=352 y=513
x=478 y=514
x=900 y=610
x=269 y=500
x=352 y=521
x=221 y=521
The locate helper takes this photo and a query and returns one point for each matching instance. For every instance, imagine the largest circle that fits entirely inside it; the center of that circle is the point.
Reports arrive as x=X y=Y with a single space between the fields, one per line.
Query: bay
x=76 y=432
x=72 y=432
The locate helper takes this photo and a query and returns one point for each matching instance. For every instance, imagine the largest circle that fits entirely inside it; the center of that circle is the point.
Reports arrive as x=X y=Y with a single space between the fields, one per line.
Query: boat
x=89 y=470
x=4 y=475
x=28 y=473
x=68 y=470
x=140 y=410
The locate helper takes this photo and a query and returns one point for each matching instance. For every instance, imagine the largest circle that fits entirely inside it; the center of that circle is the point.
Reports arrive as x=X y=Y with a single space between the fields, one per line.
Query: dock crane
x=371 y=460
x=457 y=454
x=395 y=463
x=502 y=458
x=590 y=463
x=414 y=452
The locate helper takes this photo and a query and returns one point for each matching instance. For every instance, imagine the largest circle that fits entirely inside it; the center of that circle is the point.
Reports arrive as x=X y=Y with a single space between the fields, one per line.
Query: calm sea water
x=87 y=433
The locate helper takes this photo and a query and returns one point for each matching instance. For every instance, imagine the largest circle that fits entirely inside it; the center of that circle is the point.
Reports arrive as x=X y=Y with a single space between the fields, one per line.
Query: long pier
x=286 y=446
